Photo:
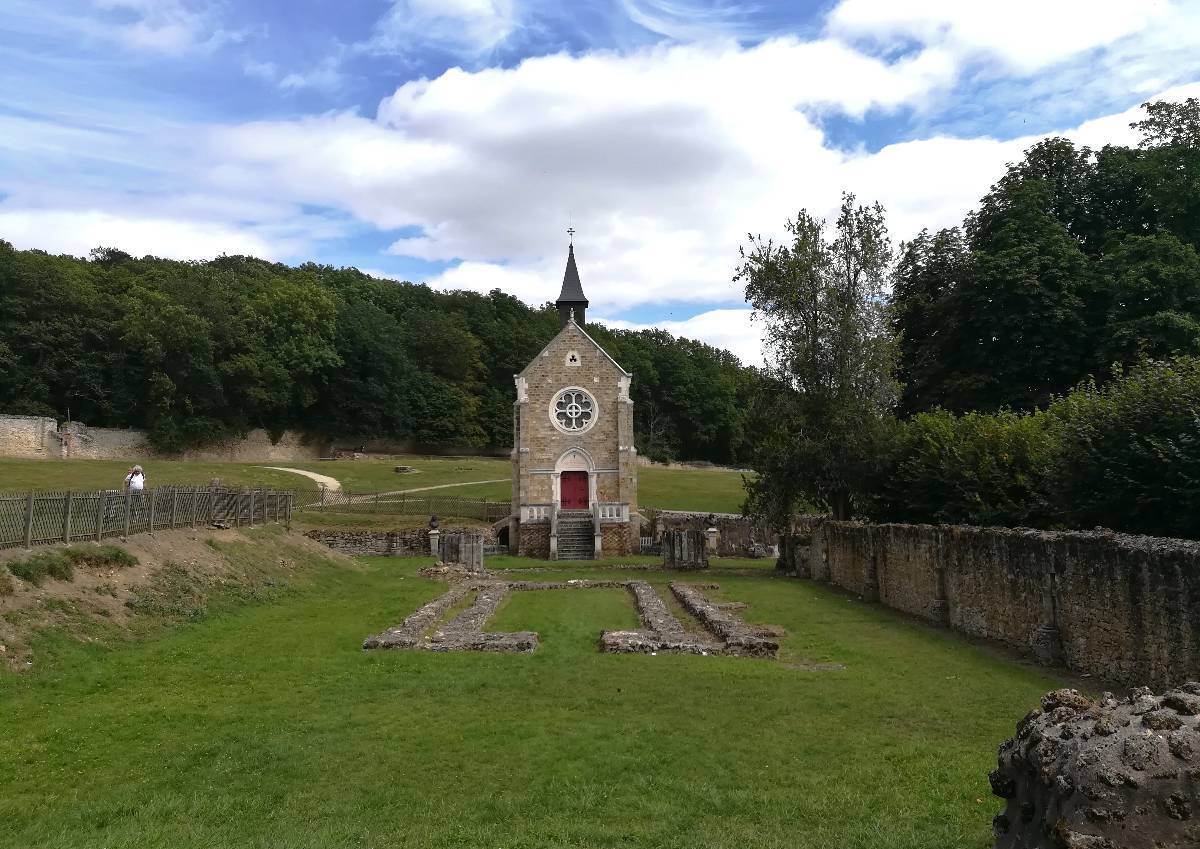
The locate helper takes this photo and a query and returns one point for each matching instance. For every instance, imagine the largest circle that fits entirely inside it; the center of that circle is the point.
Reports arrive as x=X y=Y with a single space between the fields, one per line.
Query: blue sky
x=454 y=141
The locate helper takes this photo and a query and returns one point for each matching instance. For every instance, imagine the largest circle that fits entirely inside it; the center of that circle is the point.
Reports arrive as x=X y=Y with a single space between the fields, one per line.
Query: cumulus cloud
x=734 y=330
x=662 y=157
x=78 y=231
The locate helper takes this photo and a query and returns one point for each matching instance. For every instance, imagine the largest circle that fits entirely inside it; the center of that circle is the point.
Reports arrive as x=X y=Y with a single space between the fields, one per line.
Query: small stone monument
x=464 y=550
x=686 y=550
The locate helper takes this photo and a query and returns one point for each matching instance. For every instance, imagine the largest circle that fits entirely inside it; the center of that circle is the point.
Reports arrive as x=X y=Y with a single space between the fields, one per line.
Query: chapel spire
x=571 y=303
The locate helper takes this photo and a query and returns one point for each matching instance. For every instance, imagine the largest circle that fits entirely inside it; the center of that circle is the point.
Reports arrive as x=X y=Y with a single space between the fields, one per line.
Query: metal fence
x=402 y=504
x=36 y=518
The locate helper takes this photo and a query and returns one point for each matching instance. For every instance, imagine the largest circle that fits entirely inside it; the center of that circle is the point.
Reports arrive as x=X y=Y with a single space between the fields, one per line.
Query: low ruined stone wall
x=410 y=542
x=737 y=536
x=1123 y=608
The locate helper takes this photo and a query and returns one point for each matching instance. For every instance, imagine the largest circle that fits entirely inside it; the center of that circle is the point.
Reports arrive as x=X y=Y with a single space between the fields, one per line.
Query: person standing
x=135 y=480
x=135 y=486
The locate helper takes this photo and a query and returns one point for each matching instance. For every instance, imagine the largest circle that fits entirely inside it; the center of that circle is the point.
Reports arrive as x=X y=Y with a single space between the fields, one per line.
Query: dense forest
x=195 y=351
x=1039 y=365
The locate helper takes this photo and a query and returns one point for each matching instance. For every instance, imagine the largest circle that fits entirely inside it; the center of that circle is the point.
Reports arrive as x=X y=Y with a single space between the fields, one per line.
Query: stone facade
x=1120 y=607
x=573 y=453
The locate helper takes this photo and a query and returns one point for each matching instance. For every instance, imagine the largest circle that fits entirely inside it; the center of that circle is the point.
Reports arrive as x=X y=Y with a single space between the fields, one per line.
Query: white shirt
x=136 y=481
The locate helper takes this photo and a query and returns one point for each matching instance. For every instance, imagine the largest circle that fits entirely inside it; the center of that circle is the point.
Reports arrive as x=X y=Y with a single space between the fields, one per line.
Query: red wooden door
x=574 y=487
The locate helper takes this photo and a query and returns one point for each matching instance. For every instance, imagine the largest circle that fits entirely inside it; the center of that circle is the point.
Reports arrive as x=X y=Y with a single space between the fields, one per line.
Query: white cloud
x=661 y=157
x=1023 y=34
x=78 y=231
x=466 y=26
x=734 y=330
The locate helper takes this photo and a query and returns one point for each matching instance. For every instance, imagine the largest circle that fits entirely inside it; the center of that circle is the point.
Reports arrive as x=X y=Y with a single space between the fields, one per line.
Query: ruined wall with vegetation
x=39 y=437
x=1123 y=608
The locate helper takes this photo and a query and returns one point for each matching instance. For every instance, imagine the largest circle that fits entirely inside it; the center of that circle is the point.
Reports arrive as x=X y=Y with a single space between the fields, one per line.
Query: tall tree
x=930 y=272
x=831 y=388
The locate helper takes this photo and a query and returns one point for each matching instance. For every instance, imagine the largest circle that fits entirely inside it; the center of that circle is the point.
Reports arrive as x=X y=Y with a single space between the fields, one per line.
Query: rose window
x=573 y=410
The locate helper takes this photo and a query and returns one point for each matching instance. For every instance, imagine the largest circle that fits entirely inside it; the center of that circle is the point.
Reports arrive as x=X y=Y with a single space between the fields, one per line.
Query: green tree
x=931 y=271
x=827 y=402
x=1019 y=331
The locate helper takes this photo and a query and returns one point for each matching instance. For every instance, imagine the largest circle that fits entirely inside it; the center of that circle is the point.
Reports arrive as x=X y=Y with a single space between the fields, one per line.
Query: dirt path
x=332 y=484
x=442 y=486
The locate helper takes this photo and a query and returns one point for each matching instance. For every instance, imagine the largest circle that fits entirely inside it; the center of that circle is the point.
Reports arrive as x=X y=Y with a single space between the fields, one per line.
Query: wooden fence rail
x=37 y=518
x=402 y=504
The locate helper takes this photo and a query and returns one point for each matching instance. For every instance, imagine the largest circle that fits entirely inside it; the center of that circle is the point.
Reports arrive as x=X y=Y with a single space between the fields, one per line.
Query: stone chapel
x=574 y=464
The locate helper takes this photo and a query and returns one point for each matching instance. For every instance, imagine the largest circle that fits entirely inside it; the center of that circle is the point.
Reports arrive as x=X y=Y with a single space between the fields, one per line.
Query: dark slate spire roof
x=572 y=290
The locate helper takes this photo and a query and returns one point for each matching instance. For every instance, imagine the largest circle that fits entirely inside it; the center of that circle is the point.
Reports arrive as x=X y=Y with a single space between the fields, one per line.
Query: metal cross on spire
x=571 y=233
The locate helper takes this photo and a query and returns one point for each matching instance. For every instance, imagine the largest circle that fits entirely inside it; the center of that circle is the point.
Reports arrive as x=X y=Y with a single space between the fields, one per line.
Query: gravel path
x=332 y=484
x=443 y=486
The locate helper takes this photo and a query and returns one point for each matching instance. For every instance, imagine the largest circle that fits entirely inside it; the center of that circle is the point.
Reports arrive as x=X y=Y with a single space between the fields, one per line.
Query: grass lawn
x=712 y=490
x=81 y=475
x=267 y=726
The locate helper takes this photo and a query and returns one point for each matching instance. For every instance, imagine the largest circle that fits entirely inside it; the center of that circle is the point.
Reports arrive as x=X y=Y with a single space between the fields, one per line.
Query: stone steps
x=576 y=540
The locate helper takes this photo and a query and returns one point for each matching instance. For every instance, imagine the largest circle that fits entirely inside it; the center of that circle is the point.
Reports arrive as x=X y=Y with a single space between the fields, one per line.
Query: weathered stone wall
x=1123 y=608
x=411 y=542
x=533 y=540
x=28 y=436
x=737 y=536
x=617 y=539
x=39 y=437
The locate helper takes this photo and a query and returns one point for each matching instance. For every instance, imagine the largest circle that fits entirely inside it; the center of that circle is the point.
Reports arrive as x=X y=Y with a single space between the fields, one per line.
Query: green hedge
x=1124 y=456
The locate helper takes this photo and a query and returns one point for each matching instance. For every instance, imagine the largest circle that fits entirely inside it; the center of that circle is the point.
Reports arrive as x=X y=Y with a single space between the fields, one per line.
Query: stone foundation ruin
x=724 y=633
x=1107 y=774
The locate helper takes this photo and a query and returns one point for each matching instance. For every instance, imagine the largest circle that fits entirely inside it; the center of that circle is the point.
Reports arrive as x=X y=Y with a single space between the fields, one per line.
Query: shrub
x=1129 y=455
x=35 y=569
x=6 y=583
x=976 y=469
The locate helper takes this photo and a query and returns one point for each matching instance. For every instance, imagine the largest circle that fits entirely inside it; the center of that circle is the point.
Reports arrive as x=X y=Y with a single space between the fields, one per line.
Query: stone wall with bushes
x=1123 y=608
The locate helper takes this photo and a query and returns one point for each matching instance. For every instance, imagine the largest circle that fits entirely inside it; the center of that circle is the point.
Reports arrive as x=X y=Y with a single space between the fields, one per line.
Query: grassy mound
x=60 y=563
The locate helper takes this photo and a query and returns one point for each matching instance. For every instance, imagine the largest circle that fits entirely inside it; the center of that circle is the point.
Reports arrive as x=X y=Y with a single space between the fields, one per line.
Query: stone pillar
x=711 y=536
x=939 y=608
x=871 y=585
x=685 y=550
x=435 y=543
x=1046 y=644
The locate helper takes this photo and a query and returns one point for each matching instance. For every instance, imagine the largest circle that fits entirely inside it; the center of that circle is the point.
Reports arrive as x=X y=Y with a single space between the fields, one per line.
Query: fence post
x=29 y=520
x=67 y=517
x=288 y=514
x=128 y=501
x=252 y=508
x=174 y=505
x=377 y=501
x=101 y=513
x=153 y=499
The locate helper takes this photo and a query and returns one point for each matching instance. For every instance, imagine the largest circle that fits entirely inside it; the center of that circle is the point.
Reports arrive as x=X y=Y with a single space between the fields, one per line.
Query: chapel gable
x=574 y=462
